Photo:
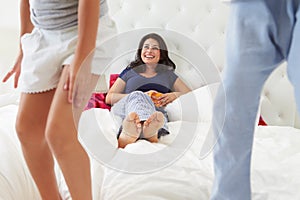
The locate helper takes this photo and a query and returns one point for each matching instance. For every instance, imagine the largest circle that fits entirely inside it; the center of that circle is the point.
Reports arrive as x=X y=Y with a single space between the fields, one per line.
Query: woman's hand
x=15 y=70
x=154 y=95
x=166 y=98
x=160 y=99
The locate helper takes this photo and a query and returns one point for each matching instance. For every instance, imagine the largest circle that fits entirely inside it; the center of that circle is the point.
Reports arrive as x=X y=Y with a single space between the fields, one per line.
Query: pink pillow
x=97 y=99
x=261 y=122
x=112 y=79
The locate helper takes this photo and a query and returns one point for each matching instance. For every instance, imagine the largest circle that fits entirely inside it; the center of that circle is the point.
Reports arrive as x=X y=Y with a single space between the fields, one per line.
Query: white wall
x=9 y=31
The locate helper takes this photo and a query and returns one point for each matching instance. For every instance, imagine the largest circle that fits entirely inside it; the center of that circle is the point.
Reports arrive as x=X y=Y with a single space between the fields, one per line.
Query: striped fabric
x=138 y=102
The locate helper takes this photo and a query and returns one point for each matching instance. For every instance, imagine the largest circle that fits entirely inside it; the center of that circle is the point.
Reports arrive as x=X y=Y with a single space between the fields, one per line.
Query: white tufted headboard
x=186 y=28
x=278 y=106
x=202 y=22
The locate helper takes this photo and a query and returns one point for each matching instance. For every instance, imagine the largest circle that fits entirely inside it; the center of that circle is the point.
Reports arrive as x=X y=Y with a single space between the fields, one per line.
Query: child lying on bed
x=143 y=89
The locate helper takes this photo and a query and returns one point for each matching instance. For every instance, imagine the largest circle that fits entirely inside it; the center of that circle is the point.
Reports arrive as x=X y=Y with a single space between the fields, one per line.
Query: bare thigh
x=63 y=115
x=32 y=116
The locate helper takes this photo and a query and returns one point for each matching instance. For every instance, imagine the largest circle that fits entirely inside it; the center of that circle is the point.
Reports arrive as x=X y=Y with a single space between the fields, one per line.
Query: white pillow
x=195 y=106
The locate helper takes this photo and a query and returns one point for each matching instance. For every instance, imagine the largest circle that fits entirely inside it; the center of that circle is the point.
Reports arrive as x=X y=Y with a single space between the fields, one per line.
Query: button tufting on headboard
x=203 y=22
x=278 y=105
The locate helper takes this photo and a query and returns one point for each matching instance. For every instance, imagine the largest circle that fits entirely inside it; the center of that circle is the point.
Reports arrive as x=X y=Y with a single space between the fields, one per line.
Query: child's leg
x=30 y=126
x=61 y=134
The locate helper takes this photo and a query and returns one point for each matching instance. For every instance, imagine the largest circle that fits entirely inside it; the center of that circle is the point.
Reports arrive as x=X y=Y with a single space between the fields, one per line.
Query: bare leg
x=30 y=126
x=152 y=125
x=62 y=138
x=131 y=130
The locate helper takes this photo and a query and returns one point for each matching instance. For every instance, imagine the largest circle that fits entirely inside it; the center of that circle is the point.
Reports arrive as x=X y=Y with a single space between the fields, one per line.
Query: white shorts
x=45 y=52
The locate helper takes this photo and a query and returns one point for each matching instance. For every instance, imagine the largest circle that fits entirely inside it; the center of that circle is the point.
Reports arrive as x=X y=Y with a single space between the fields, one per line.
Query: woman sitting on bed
x=143 y=89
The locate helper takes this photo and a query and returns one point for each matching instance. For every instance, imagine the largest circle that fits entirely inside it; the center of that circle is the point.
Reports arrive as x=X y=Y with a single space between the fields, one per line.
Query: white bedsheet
x=276 y=162
x=275 y=166
x=186 y=178
x=15 y=181
x=275 y=173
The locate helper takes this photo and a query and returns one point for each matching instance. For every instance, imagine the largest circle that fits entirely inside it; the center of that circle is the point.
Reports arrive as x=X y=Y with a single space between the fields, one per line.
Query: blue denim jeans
x=260 y=35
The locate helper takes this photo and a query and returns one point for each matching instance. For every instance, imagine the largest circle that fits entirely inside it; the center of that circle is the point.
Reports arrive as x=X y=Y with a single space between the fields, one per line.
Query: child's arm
x=88 y=18
x=25 y=27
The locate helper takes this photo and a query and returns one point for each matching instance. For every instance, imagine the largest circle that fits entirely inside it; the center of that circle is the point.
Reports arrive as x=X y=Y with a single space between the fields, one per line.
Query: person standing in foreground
x=56 y=38
x=261 y=35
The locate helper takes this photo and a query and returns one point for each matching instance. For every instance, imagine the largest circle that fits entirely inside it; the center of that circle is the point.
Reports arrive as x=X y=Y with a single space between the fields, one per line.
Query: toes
x=133 y=117
x=132 y=124
x=152 y=124
x=157 y=116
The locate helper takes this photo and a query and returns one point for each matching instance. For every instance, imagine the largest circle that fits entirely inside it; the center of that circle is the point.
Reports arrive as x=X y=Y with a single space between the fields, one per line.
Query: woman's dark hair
x=164 y=63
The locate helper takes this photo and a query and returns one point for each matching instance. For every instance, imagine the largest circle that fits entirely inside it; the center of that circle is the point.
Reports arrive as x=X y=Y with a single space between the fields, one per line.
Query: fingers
x=74 y=95
x=8 y=75
x=66 y=85
x=79 y=96
x=78 y=92
x=165 y=99
x=16 y=80
x=16 y=69
x=70 y=87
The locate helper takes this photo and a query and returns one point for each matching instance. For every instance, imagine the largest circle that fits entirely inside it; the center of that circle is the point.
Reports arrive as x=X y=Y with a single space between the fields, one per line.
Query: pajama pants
x=260 y=35
x=137 y=102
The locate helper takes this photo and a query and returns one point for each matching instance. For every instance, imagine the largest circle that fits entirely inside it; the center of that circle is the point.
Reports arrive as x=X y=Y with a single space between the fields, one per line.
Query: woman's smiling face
x=150 y=52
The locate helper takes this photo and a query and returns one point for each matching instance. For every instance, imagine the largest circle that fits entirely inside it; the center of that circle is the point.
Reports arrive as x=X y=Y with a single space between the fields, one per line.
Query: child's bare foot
x=131 y=130
x=152 y=125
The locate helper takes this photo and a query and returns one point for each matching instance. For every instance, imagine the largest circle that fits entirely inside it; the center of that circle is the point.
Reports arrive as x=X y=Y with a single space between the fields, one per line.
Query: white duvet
x=185 y=177
x=15 y=180
x=275 y=173
x=275 y=166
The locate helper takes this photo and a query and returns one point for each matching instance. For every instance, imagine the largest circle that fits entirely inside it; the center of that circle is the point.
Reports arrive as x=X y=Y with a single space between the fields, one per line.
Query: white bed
x=174 y=168
x=185 y=174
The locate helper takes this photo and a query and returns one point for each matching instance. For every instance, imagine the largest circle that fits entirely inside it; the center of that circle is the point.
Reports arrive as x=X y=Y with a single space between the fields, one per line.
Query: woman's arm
x=179 y=89
x=116 y=92
x=25 y=27
x=88 y=18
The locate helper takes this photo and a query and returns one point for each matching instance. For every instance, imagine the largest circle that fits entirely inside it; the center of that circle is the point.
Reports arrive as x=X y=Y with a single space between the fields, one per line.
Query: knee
x=29 y=131
x=137 y=94
x=58 y=136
